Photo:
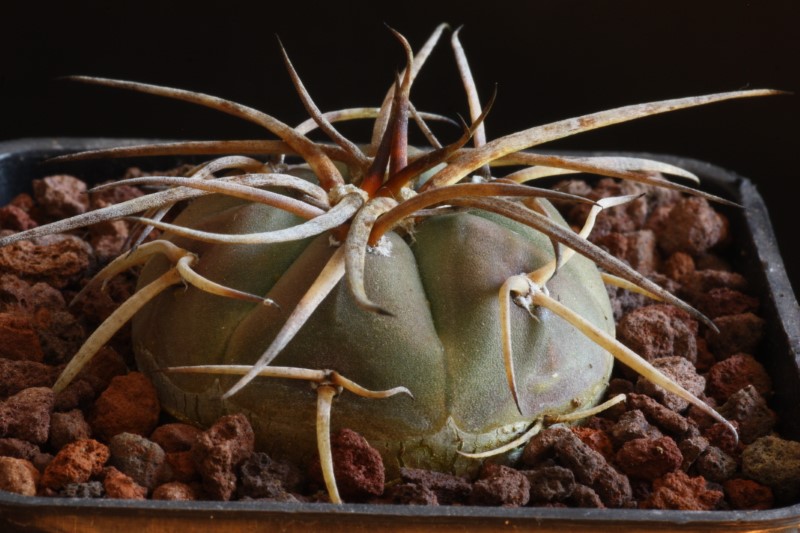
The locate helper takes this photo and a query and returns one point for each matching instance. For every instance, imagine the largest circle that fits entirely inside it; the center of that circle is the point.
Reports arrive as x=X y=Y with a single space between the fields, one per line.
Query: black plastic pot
x=759 y=261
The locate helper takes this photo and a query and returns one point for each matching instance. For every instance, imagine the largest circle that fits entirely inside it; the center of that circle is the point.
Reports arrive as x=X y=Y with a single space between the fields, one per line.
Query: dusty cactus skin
x=443 y=342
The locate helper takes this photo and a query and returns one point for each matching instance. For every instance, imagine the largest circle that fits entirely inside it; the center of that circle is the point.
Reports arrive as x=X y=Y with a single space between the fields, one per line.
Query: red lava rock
x=41 y=460
x=77 y=462
x=590 y=468
x=658 y=197
x=24 y=201
x=98 y=301
x=654 y=412
x=263 y=477
x=691 y=448
x=448 y=489
x=649 y=458
x=79 y=393
x=642 y=489
x=720 y=435
x=693 y=227
x=699 y=418
x=774 y=462
x=181 y=466
x=637 y=248
x=576 y=187
x=601 y=423
x=26 y=415
x=678 y=266
x=597 y=440
x=409 y=494
x=175 y=491
x=735 y=373
x=737 y=334
x=55 y=259
x=15 y=218
x=705 y=359
x=541 y=447
x=500 y=485
x=19 y=296
x=139 y=458
x=176 y=440
x=89 y=489
x=633 y=425
x=723 y=301
x=175 y=437
x=357 y=465
x=624 y=301
x=60 y=334
x=19 y=340
x=712 y=261
x=624 y=218
x=129 y=405
x=19 y=375
x=658 y=218
x=219 y=451
x=747 y=494
x=616 y=386
x=68 y=427
x=750 y=410
x=550 y=484
x=583 y=496
x=680 y=370
x=106 y=365
x=18 y=476
x=703 y=281
x=21 y=449
x=613 y=488
x=113 y=195
x=568 y=467
x=716 y=465
x=120 y=486
x=61 y=195
x=108 y=239
x=659 y=330
x=678 y=491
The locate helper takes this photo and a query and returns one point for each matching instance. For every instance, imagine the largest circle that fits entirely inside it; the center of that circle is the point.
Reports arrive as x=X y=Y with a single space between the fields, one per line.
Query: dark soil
x=105 y=437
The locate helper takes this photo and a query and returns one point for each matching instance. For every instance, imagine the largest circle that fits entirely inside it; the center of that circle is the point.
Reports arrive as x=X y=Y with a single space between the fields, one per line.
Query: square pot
x=759 y=261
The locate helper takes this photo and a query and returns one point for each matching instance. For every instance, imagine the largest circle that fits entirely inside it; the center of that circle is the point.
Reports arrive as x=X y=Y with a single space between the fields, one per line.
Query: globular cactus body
x=442 y=342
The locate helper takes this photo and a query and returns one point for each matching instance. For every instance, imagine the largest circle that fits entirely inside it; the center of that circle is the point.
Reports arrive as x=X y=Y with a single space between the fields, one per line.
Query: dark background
x=550 y=59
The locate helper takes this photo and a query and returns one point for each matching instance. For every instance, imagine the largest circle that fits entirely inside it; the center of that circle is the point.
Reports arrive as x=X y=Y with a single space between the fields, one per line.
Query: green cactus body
x=443 y=343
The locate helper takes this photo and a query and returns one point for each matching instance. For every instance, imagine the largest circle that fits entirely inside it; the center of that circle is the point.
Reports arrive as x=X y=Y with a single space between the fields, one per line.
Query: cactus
x=452 y=310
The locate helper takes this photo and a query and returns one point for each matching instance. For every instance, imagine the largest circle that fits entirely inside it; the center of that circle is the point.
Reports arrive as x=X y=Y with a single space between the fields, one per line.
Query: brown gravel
x=677 y=490
x=18 y=475
x=735 y=373
x=446 y=488
x=118 y=485
x=218 y=452
x=76 y=462
x=104 y=436
x=357 y=465
x=500 y=485
x=175 y=490
x=649 y=458
x=61 y=196
x=129 y=405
